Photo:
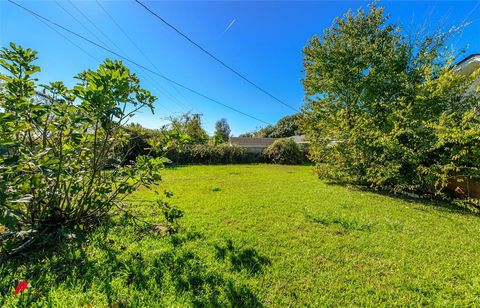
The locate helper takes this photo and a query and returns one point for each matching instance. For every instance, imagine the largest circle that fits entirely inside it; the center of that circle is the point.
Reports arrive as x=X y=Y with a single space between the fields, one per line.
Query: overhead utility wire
x=79 y=47
x=75 y=18
x=155 y=82
x=137 y=64
x=215 y=57
x=119 y=27
x=69 y=40
x=89 y=31
x=132 y=41
x=95 y=26
x=136 y=45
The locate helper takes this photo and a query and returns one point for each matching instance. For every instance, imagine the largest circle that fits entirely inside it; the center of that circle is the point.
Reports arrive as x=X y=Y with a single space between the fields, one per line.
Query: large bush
x=285 y=151
x=58 y=147
x=184 y=129
x=385 y=111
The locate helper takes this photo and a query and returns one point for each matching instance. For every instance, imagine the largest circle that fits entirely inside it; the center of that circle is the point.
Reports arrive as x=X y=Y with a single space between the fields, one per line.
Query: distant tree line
x=285 y=127
x=184 y=141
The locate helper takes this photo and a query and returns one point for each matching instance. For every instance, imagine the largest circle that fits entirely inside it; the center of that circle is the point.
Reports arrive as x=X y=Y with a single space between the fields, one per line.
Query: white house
x=468 y=65
x=257 y=145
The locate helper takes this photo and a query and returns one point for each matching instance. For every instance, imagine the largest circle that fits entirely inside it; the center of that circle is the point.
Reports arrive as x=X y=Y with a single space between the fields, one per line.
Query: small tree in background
x=184 y=130
x=222 y=131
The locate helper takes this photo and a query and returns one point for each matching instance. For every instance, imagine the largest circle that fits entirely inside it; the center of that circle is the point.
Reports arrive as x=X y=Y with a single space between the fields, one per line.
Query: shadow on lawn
x=241 y=259
x=177 y=270
x=441 y=205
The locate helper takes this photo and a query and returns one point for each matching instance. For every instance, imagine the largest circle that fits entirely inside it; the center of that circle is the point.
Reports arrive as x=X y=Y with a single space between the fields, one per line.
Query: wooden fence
x=464 y=187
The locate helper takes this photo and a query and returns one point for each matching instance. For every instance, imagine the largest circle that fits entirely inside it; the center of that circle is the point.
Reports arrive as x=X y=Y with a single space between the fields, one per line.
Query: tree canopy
x=378 y=104
x=222 y=131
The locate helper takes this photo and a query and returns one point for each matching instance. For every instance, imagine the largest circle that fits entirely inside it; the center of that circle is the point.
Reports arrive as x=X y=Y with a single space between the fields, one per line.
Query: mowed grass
x=265 y=235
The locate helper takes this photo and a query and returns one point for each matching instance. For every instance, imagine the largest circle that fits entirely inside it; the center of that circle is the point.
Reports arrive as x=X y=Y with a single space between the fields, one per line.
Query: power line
x=125 y=34
x=95 y=26
x=91 y=32
x=137 y=64
x=155 y=83
x=79 y=47
x=119 y=27
x=88 y=30
x=69 y=40
x=77 y=20
x=215 y=57
x=116 y=46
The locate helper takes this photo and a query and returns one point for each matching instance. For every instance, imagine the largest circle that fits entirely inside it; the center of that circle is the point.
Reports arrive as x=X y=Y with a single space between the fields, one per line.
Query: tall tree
x=222 y=131
x=374 y=97
x=185 y=129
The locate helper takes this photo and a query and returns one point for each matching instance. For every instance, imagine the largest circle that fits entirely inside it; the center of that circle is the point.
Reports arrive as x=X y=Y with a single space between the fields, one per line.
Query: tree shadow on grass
x=346 y=224
x=175 y=272
x=241 y=259
x=441 y=205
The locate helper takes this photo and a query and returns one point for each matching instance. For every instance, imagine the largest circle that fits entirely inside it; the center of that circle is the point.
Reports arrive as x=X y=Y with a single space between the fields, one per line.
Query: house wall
x=254 y=149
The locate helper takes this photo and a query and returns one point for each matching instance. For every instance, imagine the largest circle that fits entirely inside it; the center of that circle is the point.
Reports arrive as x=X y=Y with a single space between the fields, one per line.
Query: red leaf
x=22 y=286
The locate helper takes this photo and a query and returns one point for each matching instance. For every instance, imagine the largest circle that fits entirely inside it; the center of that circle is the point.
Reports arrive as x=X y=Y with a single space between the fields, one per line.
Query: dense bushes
x=176 y=145
x=212 y=154
x=282 y=151
x=285 y=151
x=387 y=112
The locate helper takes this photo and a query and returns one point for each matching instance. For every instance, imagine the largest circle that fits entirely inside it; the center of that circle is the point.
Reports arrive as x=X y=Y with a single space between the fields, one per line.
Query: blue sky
x=264 y=43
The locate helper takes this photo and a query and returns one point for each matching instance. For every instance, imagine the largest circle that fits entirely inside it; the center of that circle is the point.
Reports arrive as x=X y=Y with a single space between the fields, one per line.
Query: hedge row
x=226 y=154
x=212 y=154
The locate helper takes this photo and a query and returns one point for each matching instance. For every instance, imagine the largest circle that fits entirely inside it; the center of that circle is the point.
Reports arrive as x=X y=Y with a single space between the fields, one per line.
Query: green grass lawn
x=265 y=235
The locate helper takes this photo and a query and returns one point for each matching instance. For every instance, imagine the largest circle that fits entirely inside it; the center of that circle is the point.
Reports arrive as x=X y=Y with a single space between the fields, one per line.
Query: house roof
x=252 y=142
x=469 y=64
x=473 y=55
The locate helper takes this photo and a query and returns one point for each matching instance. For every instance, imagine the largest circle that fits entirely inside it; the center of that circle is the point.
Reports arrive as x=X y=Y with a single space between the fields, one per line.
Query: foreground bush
x=387 y=112
x=58 y=148
x=285 y=151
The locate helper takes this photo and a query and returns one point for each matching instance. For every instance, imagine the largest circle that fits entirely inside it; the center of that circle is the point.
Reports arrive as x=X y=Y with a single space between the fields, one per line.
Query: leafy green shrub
x=139 y=141
x=58 y=147
x=285 y=151
x=387 y=112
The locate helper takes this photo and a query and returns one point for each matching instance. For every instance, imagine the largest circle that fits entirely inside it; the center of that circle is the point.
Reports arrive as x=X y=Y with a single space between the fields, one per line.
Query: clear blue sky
x=264 y=43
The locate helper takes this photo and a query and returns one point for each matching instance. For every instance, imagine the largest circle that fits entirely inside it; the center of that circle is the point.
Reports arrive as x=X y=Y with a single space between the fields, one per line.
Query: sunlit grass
x=267 y=235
